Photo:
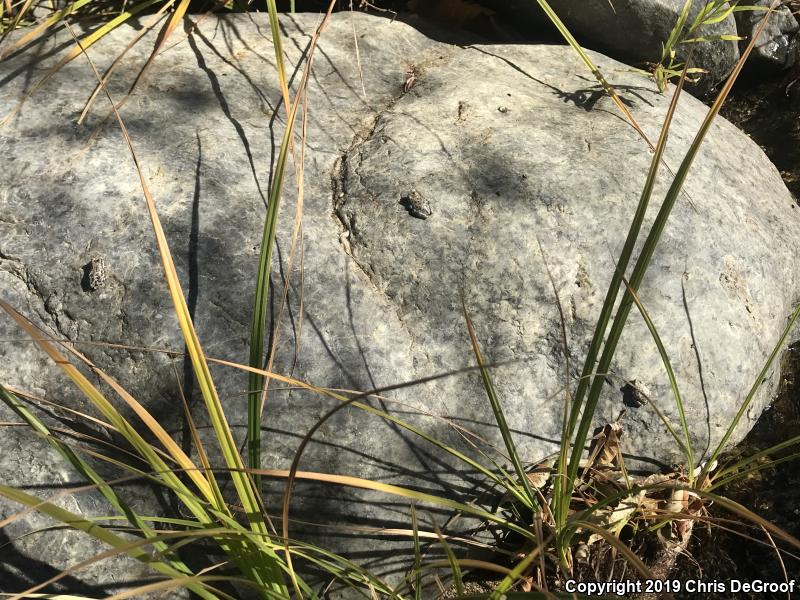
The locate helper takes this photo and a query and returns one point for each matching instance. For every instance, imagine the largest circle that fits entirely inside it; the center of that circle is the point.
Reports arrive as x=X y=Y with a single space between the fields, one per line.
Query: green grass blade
x=686 y=443
x=747 y=467
x=260 y=304
x=344 y=570
x=91 y=475
x=643 y=262
x=564 y=491
x=674 y=35
x=97 y=531
x=531 y=500
x=754 y=388
x=455 y=568
x=598 y=75
x=499 y=593
x=277 y=44
x=738 y=465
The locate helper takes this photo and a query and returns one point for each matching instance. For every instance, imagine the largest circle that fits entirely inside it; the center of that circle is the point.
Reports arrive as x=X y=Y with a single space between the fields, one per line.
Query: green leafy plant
x=684 y=33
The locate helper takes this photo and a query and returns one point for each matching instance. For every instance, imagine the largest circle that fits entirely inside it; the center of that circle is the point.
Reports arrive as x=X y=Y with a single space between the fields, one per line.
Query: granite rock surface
x=525 y=167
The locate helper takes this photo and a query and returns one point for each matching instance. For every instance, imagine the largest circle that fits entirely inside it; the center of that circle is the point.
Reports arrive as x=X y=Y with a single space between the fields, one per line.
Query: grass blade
x=511 y=578
x=265 y=565
x=417 y=554
x=564 y=491
x=260 y=305
x=366 y=484
x=531 y=500
x=85 y=42
x=82 y=467
x=686 y=443
x=598 y=75
x=98 y=532
x=755 y=387
x=455 y=568
x=643 y=263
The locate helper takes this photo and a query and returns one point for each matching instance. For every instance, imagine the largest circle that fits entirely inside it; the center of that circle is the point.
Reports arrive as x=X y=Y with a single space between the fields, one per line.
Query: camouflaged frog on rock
x=95 y=274
x=416 y=205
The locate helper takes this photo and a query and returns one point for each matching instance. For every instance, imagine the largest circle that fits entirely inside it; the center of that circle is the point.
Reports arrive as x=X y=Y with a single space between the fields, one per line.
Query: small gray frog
x=95 y=274
x=416 y=205
x=635 y=393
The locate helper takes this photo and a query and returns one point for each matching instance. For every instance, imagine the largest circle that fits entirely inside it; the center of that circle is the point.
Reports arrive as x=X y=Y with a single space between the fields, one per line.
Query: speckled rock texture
x=777 y=45
x=524 y=165
x=634 y=30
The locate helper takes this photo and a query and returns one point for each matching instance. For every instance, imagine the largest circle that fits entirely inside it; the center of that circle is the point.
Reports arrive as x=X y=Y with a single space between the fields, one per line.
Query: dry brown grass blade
x=293 y=475
x=168 y=585
x=99 y=344
x=61 y=407
x=198 y=444
x=160 y=49
x=217 y=5
x=118 y=60
x=358 y=54
x=172 y=23
x=741 y=511
x=93 y=441
x=87 y=41
x=750 y=539
x=174 y=450
x=780 y=560
x=91 y=392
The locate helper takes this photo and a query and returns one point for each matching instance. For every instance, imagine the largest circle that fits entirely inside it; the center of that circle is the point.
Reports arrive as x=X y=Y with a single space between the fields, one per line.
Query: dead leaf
x=614 y=519
x=540 y=474
x=605 y=447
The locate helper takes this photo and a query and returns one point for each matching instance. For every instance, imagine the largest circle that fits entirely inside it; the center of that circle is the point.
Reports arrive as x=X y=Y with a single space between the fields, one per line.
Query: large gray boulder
x=525 y=166
x=634 y=31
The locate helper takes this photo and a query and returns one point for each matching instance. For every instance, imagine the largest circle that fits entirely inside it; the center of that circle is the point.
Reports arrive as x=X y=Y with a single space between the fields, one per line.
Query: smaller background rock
x=777 y=46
